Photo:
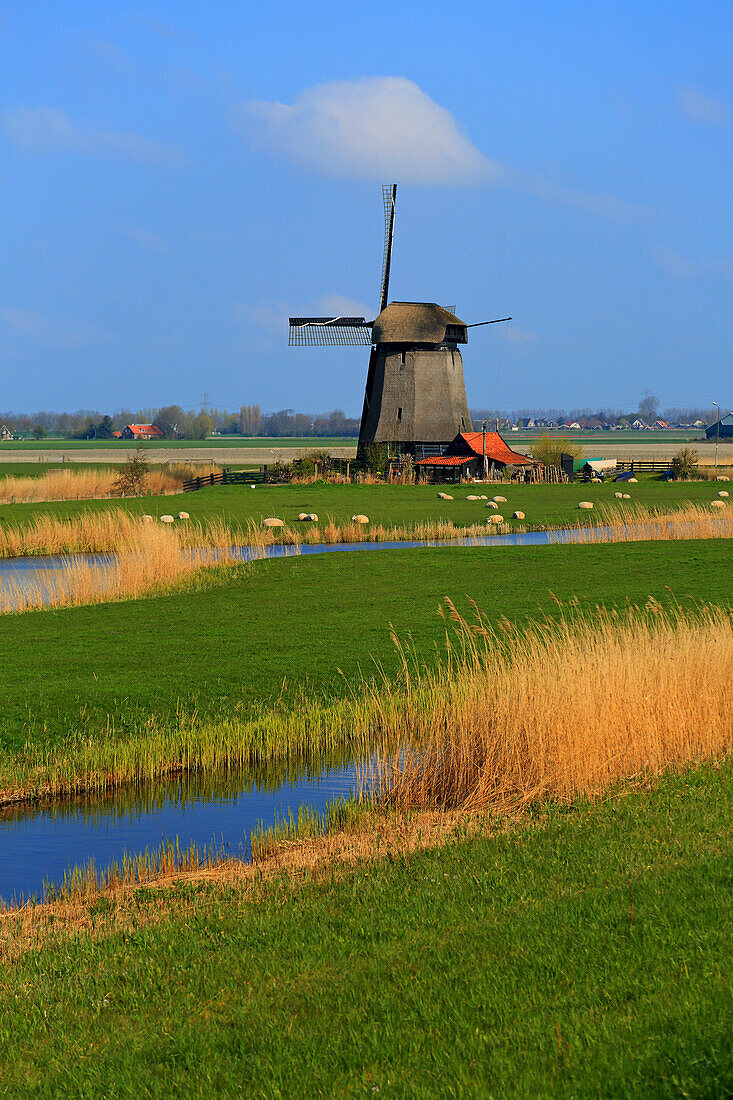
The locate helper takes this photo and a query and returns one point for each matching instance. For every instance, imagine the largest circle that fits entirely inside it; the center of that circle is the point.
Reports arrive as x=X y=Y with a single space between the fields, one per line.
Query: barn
x=724 y=426
x=473 y=455
x=141 y=431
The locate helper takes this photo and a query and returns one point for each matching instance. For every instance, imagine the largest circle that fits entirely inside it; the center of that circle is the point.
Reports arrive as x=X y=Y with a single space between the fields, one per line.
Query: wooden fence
x=226 y=477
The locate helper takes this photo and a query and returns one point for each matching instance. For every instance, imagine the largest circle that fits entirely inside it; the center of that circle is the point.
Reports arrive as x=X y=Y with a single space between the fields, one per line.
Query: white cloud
x=701 y=108
x=151 y=241
x=682 y=267
x=375 y=128
x=335 y=305
x=48 y=130
x=30 y=325
x=513 y=334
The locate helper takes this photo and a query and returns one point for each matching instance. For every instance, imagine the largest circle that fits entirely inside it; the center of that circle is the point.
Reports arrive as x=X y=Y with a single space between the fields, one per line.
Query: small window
x=399 y=413
x=463 y=422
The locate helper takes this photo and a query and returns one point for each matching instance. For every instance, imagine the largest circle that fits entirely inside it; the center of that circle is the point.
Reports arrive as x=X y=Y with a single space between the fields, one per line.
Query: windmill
x=415 y=396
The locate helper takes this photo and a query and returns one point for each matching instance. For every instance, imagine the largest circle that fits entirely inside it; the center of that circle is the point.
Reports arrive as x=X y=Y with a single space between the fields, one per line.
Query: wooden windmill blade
x=389 y=198
x=329 y=331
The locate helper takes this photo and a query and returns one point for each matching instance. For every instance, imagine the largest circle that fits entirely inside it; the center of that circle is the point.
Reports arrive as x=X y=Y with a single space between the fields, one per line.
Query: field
x=390 y=505
x=584 y=953
x=246 y=641
x=564 y=947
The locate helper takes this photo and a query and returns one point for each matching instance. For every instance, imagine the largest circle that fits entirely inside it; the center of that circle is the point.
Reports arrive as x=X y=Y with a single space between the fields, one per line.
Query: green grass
x=259 y=443
x=284 y=629
x=587 y=956
x=391 y=505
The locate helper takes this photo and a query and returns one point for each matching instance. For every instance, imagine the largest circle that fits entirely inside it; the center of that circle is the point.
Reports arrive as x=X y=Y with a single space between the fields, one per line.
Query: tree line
x=174 y=422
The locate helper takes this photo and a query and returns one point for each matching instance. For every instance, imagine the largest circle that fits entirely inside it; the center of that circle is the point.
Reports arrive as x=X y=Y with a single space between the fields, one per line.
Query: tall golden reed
x=638 y=524
x=558 y=709
x=87 y=484
x=147 y=557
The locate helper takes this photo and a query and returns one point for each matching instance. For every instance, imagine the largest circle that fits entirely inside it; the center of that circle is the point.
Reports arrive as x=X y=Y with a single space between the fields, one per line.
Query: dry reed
x=558 y=709
x=147 y=558
x=638 y=524
x=94 y=483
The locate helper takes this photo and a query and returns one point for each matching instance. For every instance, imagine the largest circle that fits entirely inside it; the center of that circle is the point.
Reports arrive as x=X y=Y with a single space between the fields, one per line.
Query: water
x=40 y=843
x=34 y=570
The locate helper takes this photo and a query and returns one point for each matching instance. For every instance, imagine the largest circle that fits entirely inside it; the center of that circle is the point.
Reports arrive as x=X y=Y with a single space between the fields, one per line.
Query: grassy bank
x=586 y=954
x=246 y=643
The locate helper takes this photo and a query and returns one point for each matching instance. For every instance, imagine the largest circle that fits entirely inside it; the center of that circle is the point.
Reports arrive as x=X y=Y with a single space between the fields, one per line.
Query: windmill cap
x=417 y=323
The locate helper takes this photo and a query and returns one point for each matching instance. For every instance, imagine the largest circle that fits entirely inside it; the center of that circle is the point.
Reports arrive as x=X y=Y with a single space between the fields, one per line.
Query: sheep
x=471 y=497
x=717 y=504
x=626 y=496
x=495 y=519
x=723 y=493
x=183 y=515
x=444 y=496
x=272 y=521
x=167 y=519
x=633 y=481
x=147 y=519
x=585 y=504
x=518 y=515
x=491 y=504
x=618 y=495
x=360 y=519
x=499 y=500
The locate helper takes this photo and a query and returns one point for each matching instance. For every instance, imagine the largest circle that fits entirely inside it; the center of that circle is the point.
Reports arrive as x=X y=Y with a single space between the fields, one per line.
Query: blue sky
x=176 y=179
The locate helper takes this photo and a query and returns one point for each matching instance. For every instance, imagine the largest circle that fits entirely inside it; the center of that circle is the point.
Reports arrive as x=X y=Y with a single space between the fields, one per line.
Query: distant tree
x=170 y=421
x=131 y=480
x=105 y=428
x=548 y=448
x=250 y=420
x=39 y=432
x=649 y=407
x=199 y=426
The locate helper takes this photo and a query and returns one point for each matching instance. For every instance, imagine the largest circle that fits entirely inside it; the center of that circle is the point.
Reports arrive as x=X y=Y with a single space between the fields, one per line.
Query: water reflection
x=219 y=809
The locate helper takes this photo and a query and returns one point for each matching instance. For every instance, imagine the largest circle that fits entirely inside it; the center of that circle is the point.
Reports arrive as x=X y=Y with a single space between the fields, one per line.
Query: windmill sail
x=389 y=197
x=329 y=331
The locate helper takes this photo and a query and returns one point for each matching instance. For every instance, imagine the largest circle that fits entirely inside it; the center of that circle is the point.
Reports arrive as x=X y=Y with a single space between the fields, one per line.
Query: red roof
x=496 y=448
x=444 y=460
x=144 y=429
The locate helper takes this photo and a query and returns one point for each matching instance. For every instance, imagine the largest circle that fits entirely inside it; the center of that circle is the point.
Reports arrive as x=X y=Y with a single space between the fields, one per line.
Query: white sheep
x=444 y=496
x=518 y=515
x=360 y=519
x=495 y=519
x=491 y=504
x=167 y=519
x=499 y=500
x=723 y=493
x=183 y=515
x=272 y=521
x=618 y=495
x=585 y=504
x=717 y=504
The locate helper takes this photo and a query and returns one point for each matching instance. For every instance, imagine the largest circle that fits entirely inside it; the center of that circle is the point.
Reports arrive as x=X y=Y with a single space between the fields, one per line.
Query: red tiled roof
x=445 y=460
x=147 y=429
x=496 y=448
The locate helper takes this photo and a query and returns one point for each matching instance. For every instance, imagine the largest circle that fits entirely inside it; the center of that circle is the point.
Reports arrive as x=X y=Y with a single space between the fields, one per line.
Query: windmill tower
x=415 y=396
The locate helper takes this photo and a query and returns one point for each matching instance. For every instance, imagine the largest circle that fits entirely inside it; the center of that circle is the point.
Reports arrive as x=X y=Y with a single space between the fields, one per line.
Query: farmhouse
x=465 y=457
x=725 y=431
x=141 y=431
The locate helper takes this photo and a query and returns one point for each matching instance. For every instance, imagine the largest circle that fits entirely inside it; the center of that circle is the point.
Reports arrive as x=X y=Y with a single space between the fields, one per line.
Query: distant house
x=141 y=431
x=726 y=428
x=5 y=433
x=660 y=424
x=117 y=435
x=639 y=424
x=464 y=458
x=526 y=422
x=698 y=424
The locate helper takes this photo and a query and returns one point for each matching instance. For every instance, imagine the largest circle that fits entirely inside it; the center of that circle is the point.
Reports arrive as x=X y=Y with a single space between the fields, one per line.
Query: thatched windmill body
x=415 y=396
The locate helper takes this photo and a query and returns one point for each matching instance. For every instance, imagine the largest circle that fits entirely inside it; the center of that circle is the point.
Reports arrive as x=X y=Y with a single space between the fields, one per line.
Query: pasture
x=387 y=505
x=307 y=627
x=585 y=952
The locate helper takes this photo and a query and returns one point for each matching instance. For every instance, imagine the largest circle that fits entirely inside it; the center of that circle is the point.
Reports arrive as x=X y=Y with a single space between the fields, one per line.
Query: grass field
x=303 y=627
x=586 y=954
x=390 y=505
x=123 y=445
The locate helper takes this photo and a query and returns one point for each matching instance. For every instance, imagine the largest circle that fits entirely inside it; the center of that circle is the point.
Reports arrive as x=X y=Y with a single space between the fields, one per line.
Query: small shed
x=472 y=455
